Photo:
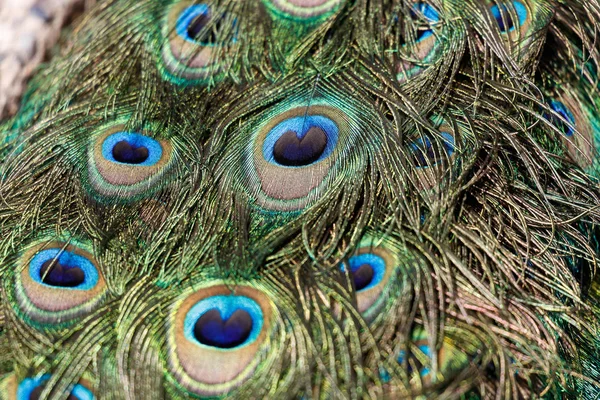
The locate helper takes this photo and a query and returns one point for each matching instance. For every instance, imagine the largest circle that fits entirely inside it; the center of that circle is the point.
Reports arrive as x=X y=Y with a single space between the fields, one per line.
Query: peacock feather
x=306 y=199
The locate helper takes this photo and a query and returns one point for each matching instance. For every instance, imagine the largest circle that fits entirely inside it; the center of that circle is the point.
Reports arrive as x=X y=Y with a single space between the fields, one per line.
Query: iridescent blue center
x=367 y=270
x=60 y=268
x=566 y=118
x=31 y=388
x=192 y=22
x=426 y=154
x=502 y=14
x=131 y=148
x=224 y=322
x=430 y=14
x=301 y=141
x=212 y=329
x=426 y=350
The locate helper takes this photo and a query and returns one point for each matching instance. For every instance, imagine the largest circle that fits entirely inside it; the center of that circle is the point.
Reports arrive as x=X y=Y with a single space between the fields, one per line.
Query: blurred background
x=29 y=29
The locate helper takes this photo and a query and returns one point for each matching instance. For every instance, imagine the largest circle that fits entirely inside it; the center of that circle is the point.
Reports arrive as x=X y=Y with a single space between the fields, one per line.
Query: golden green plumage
x=306 y=199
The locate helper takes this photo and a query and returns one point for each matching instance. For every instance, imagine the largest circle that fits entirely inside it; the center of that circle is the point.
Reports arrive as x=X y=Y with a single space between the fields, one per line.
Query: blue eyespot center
x=423 y=370
x=212 y=329
x=367 y=270
x=192 y=25
x=425 y=154
x=566 y=117
x=54 y=273
x=504 y=16
x=362 y=276
x=301 y=141
x=60 y=268
x=290 y=150
x=129 y=154
x=31 y=389
x=131 y=148
x=224 y=322
x=431 y=16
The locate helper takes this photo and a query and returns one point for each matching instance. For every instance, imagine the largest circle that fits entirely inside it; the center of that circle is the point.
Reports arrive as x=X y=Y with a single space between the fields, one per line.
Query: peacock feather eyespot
x=217 y=327
x=427 y=46
x=301 y=141
x=126 y=165
x=372 y=269
x=426 y=153
x=225 y=330
x=304 y=10
x=505 y=16
x=433 y=155
x=224 y=322
x=419 y=358
x=521 y=24
x=131 y=148
x=197 y=36
x=57 y=268
x=565 y=120
x=294 y=154
x=367 y=270
x=571 y=117
x=430 y=15
x=191 y=25
x=58 y=282
x=32 y=388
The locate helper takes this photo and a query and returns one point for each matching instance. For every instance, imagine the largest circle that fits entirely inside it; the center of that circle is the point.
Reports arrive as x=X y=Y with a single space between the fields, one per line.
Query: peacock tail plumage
x=306 y=199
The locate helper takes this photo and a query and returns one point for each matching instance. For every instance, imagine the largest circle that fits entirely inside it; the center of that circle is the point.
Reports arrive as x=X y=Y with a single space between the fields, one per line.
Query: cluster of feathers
x=306 y=199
